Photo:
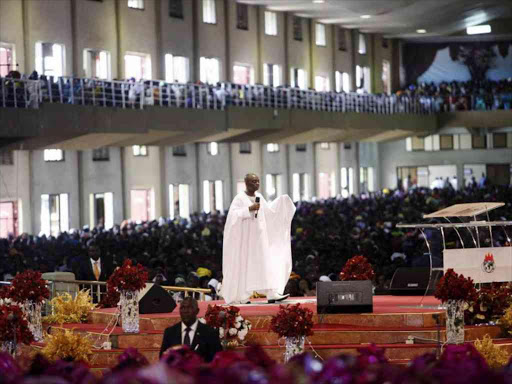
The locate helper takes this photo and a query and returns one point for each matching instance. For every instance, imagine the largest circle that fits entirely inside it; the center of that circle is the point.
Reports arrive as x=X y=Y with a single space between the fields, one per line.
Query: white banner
x=483 y=265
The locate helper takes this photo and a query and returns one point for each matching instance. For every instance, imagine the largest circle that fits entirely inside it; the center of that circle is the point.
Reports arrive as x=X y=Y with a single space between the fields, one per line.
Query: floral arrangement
x=292 y=321
x=128 y=277
x=67 y=345
x=453 y=286
x=505 y=322
x=132 y=359
x=110 y=299
x=457 y=364
x=495 y=356
x=13 y=323
x=357 y=268
x=490 y=304
x=67 y=309
x=29 y=286
x=221 y=318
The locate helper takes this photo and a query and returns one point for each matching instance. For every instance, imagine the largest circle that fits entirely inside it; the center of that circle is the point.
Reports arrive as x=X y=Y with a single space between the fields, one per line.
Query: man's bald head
x=252 y=183
x=250 y=176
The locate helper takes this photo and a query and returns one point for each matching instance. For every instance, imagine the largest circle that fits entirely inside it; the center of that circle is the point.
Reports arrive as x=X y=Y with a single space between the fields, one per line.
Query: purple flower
x=9 y=369
x=131 y=359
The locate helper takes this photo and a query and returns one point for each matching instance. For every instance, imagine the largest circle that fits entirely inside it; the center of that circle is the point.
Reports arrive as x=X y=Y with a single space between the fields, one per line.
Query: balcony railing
x=21 y=93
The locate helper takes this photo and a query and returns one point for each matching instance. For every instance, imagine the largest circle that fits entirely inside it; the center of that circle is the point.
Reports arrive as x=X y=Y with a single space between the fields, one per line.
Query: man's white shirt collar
x=192 y=332
x=193 y=327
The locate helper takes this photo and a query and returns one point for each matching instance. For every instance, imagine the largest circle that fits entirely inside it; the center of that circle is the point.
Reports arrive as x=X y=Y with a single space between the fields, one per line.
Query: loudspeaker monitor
x=414 y=281
x=344 y=297
x=154 y=299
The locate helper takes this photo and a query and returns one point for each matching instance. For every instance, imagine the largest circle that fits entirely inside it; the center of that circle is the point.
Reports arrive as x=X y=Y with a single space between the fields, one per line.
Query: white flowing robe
x=257 y=254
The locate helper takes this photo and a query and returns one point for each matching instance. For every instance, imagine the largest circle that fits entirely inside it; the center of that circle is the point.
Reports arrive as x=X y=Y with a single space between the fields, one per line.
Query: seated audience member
x=201 y=338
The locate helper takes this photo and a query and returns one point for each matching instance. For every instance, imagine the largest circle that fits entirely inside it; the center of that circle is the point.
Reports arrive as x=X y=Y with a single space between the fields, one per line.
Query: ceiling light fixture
x=318 y=1
x=365 y=16
x=478 y=29
x=421 y=31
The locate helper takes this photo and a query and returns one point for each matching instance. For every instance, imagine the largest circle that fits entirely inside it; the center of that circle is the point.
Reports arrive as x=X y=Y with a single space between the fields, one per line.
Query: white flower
x=221 y=332
x=232 y=331
x=202 y=320
x=6 y=301
x=238 y=324
x=239 y=318
x=242 y=334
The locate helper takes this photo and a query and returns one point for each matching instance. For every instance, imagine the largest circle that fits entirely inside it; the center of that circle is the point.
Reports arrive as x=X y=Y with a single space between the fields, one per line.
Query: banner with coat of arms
x=483 y=265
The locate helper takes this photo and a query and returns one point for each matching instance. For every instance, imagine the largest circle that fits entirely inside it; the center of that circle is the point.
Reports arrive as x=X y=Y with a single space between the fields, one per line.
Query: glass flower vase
x=129 y=305
x=32 y=313
x=10 y=347
x=455 y=321
x=294 y=346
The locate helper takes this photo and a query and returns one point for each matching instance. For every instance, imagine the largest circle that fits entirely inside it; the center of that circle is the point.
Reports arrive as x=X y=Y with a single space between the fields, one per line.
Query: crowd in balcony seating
x=465 y=95
x=325 y=234
x=129 y=93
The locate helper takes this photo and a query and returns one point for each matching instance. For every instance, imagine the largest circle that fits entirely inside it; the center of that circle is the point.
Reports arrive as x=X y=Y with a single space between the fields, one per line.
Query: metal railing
x=20 y=93
x=57 y=286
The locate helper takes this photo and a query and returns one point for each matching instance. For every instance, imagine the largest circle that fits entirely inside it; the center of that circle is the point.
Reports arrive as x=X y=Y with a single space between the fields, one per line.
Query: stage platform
x=396 y=322
x=388 y=311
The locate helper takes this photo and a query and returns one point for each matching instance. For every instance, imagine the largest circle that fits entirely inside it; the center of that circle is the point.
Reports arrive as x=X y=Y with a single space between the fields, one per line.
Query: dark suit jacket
x=84 y=270
x=206 y=341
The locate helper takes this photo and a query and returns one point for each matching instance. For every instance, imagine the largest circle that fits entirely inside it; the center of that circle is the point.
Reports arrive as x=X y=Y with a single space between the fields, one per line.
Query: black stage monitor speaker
x=155 y=299
x=414 y=281
x=344 y=297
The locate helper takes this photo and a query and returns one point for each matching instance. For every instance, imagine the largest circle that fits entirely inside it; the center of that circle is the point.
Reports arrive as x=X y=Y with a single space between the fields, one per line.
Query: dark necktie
x=186 y=340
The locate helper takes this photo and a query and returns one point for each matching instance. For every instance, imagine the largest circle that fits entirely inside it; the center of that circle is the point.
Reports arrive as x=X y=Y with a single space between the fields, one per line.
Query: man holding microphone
x=257 y=253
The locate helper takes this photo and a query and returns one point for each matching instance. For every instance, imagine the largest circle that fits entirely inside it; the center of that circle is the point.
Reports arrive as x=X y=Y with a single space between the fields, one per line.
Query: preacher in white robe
x=257 y=253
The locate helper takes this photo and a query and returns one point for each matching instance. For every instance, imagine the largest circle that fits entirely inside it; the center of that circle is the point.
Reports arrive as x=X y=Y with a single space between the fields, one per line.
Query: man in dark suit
x=202 y=339
x=93 y=267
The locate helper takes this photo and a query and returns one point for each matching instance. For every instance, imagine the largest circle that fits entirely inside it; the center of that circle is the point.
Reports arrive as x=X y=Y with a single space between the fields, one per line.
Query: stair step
x=395 y=320
x=324 y=334
x=398 y=353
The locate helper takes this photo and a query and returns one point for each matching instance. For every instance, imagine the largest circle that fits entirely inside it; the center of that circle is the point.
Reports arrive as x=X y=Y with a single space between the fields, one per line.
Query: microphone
x=257 y=202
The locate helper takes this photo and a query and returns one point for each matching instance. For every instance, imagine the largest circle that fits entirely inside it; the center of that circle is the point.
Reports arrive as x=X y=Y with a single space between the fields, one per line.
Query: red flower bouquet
x=453 y=286
x=128 y=277
x=357 y=268
x=490 y=305
x=28 y=286
x=229 y=318
x=13 y=323
x=111 y=299
x=292 y=321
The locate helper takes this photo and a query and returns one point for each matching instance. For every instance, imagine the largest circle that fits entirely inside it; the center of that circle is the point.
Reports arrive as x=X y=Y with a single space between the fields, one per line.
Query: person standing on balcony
x=257 y=254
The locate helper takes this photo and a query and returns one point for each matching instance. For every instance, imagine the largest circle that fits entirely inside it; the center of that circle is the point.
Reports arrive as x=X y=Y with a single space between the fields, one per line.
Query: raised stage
x=394 y=321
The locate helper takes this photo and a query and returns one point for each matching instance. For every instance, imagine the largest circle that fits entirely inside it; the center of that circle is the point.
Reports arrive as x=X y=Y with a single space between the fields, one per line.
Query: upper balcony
x=78 y=113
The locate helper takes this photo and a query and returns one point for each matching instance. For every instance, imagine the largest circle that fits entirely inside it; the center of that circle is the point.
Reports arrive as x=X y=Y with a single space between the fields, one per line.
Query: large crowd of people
x=423 y=98
x=464 y=95
x=325 y=234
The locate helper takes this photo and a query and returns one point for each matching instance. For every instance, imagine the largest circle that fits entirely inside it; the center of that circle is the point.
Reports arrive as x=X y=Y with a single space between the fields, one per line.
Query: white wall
x=275 y=163
x=244 y=163
x=215 y=168
x=143 y=172
x=182 y=170
x=100 y=177
x=14 y=186
x=393 y=154
x=54 y=177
